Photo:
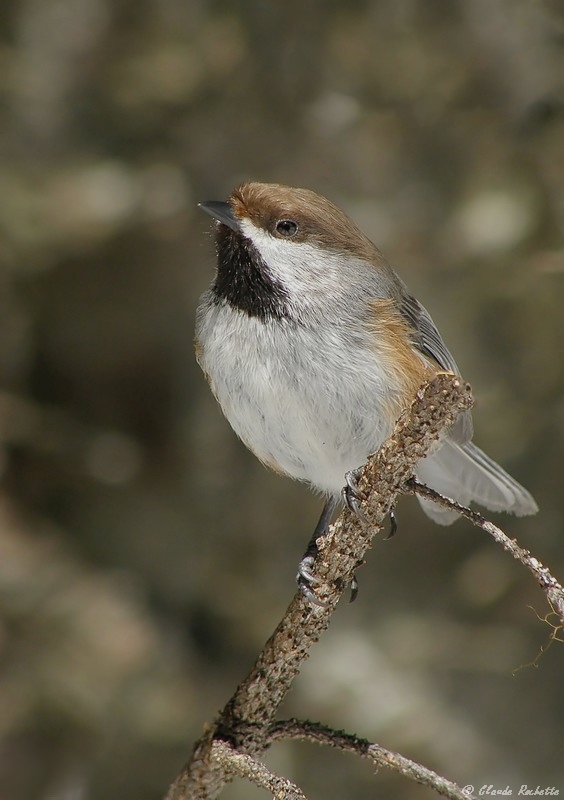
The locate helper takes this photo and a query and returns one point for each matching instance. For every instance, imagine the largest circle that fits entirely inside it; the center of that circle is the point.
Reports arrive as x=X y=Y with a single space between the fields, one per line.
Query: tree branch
x=380 y=757
x=245 y=721
x=245 y=727
x=242 y=765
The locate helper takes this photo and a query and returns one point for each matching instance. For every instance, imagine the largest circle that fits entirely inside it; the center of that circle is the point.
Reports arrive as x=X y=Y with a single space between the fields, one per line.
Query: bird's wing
x=428 y=340
x=426 y=337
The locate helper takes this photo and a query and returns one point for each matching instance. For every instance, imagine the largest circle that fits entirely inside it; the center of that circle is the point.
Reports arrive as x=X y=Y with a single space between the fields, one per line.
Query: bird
x=313 y=346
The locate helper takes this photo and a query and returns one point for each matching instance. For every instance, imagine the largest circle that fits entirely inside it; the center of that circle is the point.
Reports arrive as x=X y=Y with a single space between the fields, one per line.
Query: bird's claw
x=354 y=589
x=393 y=525
x=352 y=497
x=307 y=580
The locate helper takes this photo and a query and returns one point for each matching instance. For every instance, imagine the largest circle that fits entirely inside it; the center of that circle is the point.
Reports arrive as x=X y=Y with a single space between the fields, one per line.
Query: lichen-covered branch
x=241 y=765
x=380 y=757
x=245 y=721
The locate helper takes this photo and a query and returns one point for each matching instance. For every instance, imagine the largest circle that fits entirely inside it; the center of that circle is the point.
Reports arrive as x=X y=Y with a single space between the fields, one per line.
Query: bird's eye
x=287 y=228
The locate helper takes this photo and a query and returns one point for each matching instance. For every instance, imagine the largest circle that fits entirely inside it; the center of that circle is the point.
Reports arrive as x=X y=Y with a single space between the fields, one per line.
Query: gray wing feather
x=428 y=341
x=426 y=337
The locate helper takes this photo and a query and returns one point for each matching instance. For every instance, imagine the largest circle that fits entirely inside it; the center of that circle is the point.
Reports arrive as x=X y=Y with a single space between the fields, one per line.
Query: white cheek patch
x=300 y=267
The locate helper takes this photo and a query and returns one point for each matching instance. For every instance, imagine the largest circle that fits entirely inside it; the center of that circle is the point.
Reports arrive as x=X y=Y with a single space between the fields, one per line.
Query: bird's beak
x=220 y=211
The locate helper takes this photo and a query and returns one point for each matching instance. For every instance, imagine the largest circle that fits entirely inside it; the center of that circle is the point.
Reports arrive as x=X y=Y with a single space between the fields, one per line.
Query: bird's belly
x=301 y=432
x=301 y=411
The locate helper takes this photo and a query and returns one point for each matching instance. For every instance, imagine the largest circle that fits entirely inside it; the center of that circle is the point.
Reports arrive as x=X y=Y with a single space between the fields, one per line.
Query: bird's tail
x=465 y=474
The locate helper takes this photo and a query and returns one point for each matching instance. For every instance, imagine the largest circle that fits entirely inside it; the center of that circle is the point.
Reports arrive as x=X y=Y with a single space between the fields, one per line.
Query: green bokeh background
x=145 y=556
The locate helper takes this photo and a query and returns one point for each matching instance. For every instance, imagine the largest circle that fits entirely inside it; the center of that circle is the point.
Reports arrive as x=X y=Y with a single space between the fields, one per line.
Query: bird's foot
x=353 y=497
x=351 y=494
x=307 y=580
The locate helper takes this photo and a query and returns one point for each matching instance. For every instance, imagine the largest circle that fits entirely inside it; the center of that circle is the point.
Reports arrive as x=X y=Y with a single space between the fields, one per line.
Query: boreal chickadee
x=313 y=346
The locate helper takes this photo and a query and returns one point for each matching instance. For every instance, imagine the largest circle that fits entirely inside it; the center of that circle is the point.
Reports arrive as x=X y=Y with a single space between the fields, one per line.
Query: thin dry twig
x=548 y=583
x=245 y=721
x=245 y=766
x=321 y=734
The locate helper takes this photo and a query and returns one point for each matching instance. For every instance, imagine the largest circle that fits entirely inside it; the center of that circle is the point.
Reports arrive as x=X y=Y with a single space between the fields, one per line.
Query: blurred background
x=145 y=556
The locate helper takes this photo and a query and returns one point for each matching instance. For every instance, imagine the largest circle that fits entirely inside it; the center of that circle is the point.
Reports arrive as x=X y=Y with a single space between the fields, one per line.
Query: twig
x=246 y=719
x=241 y=765
x=548 y=583
x=380 y=757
